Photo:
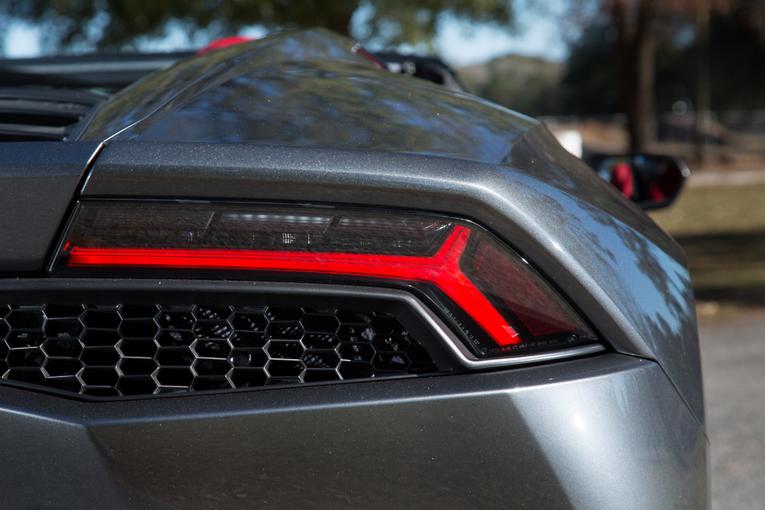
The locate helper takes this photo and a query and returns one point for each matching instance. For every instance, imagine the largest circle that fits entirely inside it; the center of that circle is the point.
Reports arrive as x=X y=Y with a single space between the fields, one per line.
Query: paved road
x=733 y=355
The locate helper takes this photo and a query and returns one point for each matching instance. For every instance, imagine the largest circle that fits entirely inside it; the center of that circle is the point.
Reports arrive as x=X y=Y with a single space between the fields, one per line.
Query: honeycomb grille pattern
x=116 y=350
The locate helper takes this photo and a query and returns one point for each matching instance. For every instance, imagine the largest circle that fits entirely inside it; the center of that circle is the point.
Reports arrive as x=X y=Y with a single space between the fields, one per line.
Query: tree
x=635 y=44
x=589 y=84
x=635 y=24
x=525 y=84
x=119 y=24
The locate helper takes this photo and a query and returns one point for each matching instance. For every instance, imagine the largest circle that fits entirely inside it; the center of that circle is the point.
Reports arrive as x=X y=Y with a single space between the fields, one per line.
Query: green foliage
x=525 y=84
x=407 y=21
x=118 y=24
x=590 y=81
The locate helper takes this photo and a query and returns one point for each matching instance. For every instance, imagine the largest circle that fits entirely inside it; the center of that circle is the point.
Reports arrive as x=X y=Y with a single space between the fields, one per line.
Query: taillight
x=498 y=303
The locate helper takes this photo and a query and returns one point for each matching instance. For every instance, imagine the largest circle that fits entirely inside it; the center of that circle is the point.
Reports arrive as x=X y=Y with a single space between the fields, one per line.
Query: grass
x=715 y=209
x=722 y=229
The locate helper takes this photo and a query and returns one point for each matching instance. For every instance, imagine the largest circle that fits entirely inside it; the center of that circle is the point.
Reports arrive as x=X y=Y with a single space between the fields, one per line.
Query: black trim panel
x=38 y=181
x=205 y=292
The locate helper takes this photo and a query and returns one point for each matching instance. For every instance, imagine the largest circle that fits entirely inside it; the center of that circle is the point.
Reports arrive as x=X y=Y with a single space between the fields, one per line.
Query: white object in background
x=571 y=140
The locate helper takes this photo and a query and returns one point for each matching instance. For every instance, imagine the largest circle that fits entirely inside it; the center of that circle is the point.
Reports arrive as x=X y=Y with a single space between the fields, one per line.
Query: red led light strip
x=442 y=270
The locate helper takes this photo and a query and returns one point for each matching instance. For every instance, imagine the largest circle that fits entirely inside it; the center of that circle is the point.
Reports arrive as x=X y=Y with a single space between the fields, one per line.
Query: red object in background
x=358 y=49
x=224 y=42
x=623 y=179
x=666 y=185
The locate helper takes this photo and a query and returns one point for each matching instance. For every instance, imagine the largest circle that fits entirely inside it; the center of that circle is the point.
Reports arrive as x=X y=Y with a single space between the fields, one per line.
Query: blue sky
x=457 y=43
x=460 y=47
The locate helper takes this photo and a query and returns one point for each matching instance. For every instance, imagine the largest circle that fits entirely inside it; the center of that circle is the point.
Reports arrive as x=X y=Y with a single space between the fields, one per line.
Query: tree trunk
x=702 y=103
x=636 y=55
x=338 y=18
x=641 y=98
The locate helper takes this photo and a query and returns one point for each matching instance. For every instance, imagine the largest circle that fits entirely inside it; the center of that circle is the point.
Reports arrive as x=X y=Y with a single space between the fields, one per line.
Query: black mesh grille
x=113 y=350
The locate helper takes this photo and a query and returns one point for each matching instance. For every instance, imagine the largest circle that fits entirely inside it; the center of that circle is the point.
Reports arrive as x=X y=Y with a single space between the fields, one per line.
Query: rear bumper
x=602 y=432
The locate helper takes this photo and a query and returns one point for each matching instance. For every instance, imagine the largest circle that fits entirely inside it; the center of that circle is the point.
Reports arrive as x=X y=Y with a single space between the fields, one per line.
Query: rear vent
x=41 y=114
x=124 y=350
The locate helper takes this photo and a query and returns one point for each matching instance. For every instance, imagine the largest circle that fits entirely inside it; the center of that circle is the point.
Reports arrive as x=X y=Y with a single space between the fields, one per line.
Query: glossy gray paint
x=444 y=346
x=604 y=432
x=615 y=264
x=305 y=89
x=311 y=121
x=37 y=183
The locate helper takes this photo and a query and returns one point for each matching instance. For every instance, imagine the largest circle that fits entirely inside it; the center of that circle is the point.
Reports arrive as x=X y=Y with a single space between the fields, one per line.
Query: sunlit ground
x=722 y=229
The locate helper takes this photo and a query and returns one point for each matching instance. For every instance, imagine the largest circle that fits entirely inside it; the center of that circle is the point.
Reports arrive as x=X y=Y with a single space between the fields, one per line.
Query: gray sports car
x=276 y=275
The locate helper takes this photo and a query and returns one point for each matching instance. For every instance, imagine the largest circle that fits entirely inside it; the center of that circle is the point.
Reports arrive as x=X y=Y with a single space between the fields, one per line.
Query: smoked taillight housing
x=487 y=293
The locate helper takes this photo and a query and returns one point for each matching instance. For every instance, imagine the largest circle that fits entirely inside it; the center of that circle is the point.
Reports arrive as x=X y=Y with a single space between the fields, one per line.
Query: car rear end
x=205 y=324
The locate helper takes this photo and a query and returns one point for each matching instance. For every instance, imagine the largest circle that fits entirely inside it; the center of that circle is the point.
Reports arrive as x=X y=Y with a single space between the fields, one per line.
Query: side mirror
x=650 y=180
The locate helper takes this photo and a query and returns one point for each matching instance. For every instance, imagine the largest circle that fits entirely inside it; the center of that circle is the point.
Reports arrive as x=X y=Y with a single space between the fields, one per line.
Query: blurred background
x=678 y=77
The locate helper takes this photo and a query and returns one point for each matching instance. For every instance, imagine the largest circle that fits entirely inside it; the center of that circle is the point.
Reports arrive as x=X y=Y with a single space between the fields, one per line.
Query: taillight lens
x=486 y=291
